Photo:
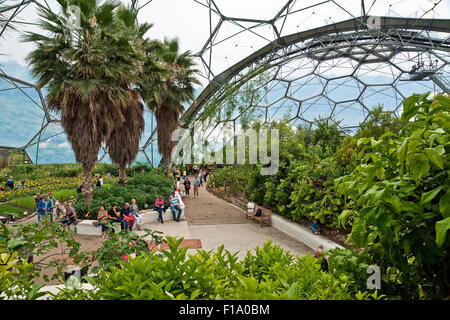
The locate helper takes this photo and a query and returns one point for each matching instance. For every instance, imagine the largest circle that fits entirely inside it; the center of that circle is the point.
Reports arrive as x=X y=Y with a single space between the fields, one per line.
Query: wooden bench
x=266 y=214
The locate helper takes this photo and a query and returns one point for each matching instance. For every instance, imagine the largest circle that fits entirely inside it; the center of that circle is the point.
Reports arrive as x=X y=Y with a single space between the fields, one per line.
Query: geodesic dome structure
x=290 y=59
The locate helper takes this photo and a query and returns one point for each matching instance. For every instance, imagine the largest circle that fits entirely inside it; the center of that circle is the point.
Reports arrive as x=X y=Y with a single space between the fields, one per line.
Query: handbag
x=258 y=212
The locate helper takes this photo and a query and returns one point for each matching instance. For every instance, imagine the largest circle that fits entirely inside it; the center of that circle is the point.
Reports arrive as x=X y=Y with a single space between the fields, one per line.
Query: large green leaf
x=441 y=231
x=358 y=232
x=444 y=204
x=409 y=108
x=419 y=166
x=343 y=217
x=430 y=195
x=13 y=243
x=435 y=155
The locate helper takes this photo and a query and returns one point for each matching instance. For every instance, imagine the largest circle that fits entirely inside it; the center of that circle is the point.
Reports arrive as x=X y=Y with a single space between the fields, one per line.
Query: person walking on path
x=174 y=206
x=45 y=208
x=52 y=200
x=187 y=186
x=135 y=212
x=37 y=199
x=196 y=186
x=99 y=183
x=205 y=174
x=159 y=205
x=174 y=170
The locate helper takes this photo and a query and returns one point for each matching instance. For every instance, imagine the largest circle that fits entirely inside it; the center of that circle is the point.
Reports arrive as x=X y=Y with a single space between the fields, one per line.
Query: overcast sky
x=189 y=20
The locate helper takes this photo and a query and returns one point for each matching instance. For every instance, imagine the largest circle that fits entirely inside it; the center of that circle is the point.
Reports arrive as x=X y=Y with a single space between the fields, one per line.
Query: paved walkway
x=216 y=222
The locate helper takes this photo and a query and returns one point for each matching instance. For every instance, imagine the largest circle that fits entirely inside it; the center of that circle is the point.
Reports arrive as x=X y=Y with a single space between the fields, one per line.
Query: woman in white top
x=135 y=212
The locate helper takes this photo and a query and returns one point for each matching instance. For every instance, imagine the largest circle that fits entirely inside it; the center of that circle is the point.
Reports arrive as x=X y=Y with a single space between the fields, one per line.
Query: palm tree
x=83 y=69
x=124 y=140
x=123 y=143
x=166 y=94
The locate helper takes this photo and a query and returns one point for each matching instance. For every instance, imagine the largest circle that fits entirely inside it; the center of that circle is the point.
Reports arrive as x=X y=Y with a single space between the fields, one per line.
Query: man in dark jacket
x=324 y=262
x=125 y=213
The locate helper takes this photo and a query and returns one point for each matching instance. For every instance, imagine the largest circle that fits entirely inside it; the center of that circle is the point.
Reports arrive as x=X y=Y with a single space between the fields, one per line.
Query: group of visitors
x=127 y=216
x=9 y=184
x=182 y=177
x=45 y=207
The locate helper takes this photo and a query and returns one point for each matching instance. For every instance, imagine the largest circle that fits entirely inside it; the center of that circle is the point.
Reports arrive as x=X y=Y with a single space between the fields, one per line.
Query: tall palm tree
x=167 y=93
x=83 y=68
x=124 y=140
x=123 y=143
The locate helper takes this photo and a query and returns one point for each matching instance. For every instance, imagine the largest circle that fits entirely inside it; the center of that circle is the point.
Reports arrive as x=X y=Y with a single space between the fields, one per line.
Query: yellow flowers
x=40 y=185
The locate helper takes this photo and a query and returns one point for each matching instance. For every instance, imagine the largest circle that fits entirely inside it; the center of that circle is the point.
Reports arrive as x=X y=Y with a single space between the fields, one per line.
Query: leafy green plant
x=173 y=274
x=351 y=267
x=26 y=249
x=399 y=197
x=114 y=248
x=145 y=188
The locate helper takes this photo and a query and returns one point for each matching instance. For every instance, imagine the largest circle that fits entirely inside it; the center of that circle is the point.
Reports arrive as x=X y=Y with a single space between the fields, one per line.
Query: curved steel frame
x=388 y=35
x=365 y=39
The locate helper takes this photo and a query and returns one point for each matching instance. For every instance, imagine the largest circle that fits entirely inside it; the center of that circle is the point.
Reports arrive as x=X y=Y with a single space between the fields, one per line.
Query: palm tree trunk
x=88 y=191
x=166 y=166
x=167 y=122
x=122 y=175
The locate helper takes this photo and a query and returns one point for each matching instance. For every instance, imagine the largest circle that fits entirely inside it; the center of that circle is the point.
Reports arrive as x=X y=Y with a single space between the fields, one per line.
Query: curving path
x=217 y=222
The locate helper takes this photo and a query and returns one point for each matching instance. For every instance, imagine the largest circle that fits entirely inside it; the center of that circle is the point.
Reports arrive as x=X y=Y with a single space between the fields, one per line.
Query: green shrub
x=352 y=267
x=104 y=168
x=172 y=274
x=399 y=197
x=145 y=188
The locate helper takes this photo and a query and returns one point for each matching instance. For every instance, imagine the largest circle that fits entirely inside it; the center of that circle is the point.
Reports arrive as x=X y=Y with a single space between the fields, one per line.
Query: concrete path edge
x=302 y=233
x=299 y=232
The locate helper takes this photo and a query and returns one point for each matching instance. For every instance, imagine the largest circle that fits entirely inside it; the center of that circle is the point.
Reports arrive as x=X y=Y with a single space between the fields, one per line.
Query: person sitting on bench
x=174 y=205
x=71 y=216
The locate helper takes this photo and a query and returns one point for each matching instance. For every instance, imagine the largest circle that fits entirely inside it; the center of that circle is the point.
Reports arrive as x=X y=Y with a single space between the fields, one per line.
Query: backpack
x=258 y=212
x=98 y=183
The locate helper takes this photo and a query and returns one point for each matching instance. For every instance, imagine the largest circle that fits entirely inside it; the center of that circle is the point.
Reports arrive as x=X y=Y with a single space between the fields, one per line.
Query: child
x=183 y=194
x=129 y=219
x=315 y=227
x=187 y=186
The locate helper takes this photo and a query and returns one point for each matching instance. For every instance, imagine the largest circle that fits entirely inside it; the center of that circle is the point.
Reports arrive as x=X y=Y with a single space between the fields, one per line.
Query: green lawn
x=28 y=202
x=4 y=209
